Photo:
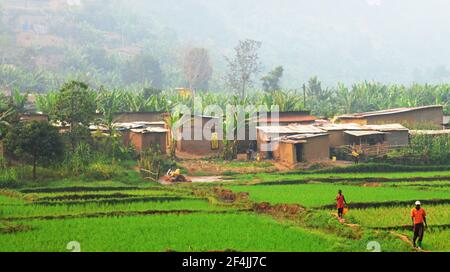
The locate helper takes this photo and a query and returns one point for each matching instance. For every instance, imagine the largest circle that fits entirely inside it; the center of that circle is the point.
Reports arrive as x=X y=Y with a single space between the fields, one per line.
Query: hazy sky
x=351 y=40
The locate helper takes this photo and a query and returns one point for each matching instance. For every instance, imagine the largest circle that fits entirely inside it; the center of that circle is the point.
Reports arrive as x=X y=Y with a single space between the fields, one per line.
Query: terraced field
x=114 y=216
x=378 y=201
x=140 y=219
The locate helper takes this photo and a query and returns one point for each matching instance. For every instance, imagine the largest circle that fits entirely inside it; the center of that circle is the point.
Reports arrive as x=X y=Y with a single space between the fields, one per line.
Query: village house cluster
x=290 y=137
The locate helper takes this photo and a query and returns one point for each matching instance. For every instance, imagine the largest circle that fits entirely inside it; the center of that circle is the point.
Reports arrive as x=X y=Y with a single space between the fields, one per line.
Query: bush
x=9 y=178
x=102 y=171
x=423 y=150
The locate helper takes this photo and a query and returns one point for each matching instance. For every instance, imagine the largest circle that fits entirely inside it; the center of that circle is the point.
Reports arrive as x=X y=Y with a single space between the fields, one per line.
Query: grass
x=399 y=216
x=319 y=194
x=195 y=232
x=24 y=211
x=435 y=239
x=113 y=215
x=271 y=177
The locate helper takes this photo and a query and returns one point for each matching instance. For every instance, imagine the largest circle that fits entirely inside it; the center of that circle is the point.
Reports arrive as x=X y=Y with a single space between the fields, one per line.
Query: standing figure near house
x=341 y=202
x=355 y=155
x=419 y=219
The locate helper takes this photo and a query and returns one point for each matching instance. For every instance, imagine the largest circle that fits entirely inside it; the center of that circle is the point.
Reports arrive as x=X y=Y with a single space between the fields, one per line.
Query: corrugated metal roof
x=130 y=125
x=350 y=126
x=288 y=119
x=361 y=133
x=430 y=132
x=387 y=127
x=96 y=128
x=300 y=138
x=150 y=130
x=385 y=112
x=291 y=129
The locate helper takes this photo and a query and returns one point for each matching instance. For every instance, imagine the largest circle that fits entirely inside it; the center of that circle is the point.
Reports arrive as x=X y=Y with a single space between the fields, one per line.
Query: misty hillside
x=46 y=41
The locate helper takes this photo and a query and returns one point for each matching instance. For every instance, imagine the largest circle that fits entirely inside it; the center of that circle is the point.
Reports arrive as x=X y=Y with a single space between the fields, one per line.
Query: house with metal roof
x=410 y=117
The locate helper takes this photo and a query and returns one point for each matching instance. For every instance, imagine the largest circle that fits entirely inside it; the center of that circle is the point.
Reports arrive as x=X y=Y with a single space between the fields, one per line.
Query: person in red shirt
x=419 y=217
x=340 y=199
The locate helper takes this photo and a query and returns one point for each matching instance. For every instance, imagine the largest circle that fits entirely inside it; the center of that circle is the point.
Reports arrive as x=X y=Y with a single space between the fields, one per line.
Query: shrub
x=9 y=178
x=154 y=163
x=102 y=171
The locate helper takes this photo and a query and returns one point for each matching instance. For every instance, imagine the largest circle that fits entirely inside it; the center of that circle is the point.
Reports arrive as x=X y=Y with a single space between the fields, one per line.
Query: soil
x=279 y=209
x=211 y=168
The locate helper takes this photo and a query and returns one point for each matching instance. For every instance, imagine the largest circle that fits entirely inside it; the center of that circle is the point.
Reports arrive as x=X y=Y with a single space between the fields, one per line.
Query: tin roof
x=150 y=130
x=387 y=127
x=300 y=138
x=386 y=112
x=288 y=119
x=335 y=127
x=362 y=133
x=291 y=129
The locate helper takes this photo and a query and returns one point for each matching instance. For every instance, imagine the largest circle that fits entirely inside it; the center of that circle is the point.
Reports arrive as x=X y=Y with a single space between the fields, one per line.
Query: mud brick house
x=34 y=117
x=208 y=133
x=150 y=137
x=365 y=137
x=301 y=148
x=396 y=134
x=267 y=136
x=131 y=117
x=410 y=117
x=287 y=118
x=337 y=135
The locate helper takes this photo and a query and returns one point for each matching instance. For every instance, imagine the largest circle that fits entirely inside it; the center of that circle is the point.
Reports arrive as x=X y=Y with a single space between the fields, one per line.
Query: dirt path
x=402 y=237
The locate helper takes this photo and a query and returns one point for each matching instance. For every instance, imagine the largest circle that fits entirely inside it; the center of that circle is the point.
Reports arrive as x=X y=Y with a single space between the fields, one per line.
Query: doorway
x=299 y=152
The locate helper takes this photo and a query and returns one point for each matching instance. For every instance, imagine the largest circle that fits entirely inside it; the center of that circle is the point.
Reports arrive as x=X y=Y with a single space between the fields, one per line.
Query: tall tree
x=75 y=106
x=244 y=66
x=143 y=69
x=271 y=82
x=197 y=68
x=38 y=143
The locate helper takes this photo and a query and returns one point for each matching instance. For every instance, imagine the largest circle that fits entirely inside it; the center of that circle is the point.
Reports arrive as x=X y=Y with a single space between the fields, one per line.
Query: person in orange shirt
x=419 y=218
x=340 y=199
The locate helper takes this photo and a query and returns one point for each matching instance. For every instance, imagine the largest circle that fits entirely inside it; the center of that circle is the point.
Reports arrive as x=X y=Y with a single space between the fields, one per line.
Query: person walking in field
x=341 y=202
x=419 y=219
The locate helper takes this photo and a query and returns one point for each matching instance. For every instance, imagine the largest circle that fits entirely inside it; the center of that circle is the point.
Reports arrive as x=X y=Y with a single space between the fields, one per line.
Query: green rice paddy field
x=114 y=216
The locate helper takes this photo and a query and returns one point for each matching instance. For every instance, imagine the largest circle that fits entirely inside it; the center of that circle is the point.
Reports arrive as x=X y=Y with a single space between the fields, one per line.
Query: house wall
x=353 y=140
x=202 y=146
x=286 y=153
x=143 y=141
x=359 y=121
x=431 y=116
x=398 y=138
x=337 y=138
x=317 y=148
